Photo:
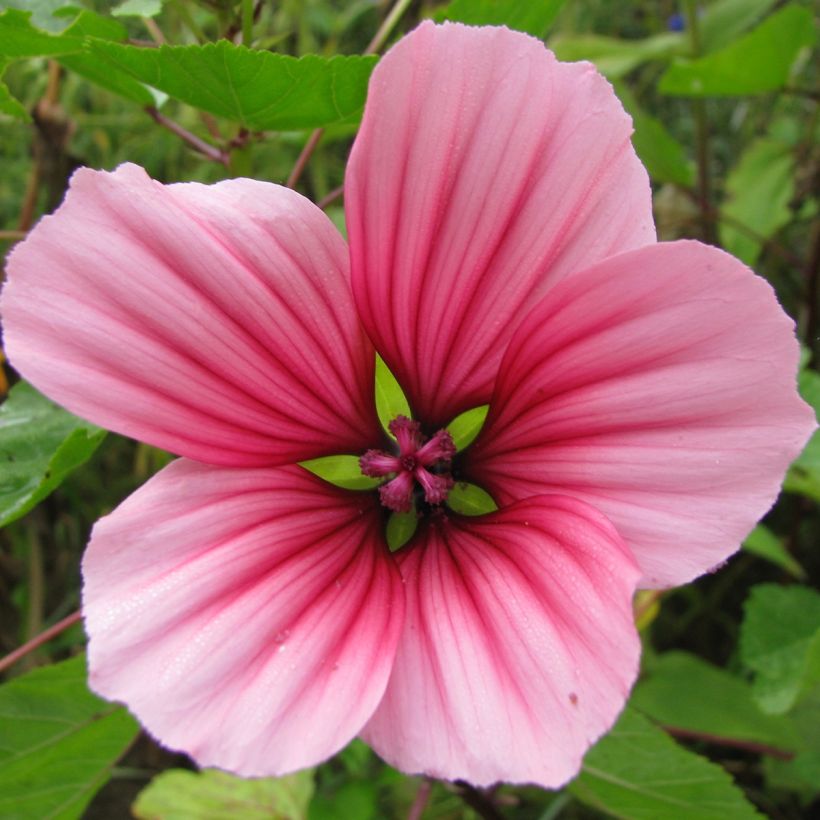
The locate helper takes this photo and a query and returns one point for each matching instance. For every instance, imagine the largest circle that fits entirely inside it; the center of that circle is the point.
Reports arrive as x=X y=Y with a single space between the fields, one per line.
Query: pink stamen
x=407 y=433
x=376 y=463
x=436 y=487
x=440 y=447
x=397 y=495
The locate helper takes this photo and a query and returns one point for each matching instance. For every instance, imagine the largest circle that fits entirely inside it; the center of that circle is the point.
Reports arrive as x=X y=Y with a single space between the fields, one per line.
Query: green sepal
x=470 y=499
x=401 y=526
x=465 y=427
x=341 y=471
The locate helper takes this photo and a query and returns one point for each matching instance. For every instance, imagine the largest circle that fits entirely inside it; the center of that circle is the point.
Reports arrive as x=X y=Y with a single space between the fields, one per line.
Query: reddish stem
x=35 y=643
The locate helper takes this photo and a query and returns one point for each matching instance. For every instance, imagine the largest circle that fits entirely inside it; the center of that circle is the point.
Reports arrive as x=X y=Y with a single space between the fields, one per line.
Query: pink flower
x=643 y=411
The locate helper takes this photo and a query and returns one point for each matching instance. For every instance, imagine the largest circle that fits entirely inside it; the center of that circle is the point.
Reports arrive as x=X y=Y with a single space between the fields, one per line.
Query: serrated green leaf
x=470 y=499
x=138 y=8
x=19 y=38
x=8 y=104
x=467 y=425
x=533 y=16
x=758 y=191
x=98 y=71
x=211 y=794
x=390 y=398
x=758 y=62
x=638 y=772
x=259 y=89
x=723 y=21
x=763 y=543
x=58 y=743
x=343 y=471
x=40 y=444
x=665 y=158
x=400 y=529
x=780 y=643
x=681 y=691
x=615 y=58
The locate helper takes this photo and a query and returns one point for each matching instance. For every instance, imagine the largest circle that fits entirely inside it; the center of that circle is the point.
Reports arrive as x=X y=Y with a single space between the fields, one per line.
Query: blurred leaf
x=638 y=772
x=780 y=643
x=43 y=12
x=533 y=16
x=8 y=105
x=58 y=744
x=343 y=471
x=259 y=89
x=18 y=38
x=40 y=444
x=466 y=426
x=721 y=22
x=353 y=801
x=664 y=157
x=615 y=58
x=763 y=543
x=138 y=8
x=469 y=499
x=758 y=191
x=211 y=794
x=98 y=71
x=390 y=398
x=804 y=475
x=681 y=691
x=756 y=63
x=400 y=529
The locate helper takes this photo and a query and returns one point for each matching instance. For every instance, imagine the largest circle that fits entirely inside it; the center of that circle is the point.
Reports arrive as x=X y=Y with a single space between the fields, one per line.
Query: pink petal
x=659 y=387
x=214 y=321
x=519 y=646
x=246 y=617
x=484 y=172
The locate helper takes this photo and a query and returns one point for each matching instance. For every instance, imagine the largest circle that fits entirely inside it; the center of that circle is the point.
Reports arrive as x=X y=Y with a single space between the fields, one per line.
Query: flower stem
x=420 y=801
x=211 y=152
x=247 y=22
x=35 y=643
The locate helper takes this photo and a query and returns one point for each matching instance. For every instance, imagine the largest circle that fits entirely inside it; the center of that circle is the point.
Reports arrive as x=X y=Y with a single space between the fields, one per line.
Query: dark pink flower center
x=420 y=463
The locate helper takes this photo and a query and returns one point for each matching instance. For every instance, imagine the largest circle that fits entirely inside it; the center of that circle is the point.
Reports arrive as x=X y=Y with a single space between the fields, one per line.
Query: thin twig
x=154 y=30
x=420 y=801
x=39 y=640
x=733 y=742
x=211 y=152
x=330 y=198
x=12 y=236
x=379 y=39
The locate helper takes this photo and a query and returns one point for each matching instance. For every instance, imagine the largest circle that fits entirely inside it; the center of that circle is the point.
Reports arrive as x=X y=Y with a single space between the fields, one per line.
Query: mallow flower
x=642 y=411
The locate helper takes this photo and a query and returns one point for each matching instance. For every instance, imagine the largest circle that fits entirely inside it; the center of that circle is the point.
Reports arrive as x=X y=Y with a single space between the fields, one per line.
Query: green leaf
x=615 y=58
x=681 y=691
x=804 y=474
x=763 y=543
x=780 y=643
x=390 y=398
x=138 y=8
x=343 y=471
x=8 y=104
x=352 y=801
x=470 y=499
x=400 y=529
x=18 y=38
x=665 y=158
x=637 y=772
x=58 y=743
x=211 y=794
x=465 y=427
x=40 y=444
x=758 y=191
x=259 y=89
x=98 y=71
x=759 y=62
x=721 y=22
x=44 y=13
x=533 y=16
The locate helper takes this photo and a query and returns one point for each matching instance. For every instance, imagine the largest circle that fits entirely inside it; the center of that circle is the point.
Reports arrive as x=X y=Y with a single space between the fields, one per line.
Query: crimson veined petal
x=658 y=386
x=518 y=648
x=247 y=617
x=484 y=172
x=214 y=321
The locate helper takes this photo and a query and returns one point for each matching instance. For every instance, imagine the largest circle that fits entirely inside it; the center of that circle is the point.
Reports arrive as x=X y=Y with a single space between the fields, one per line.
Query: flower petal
x=659 y=387
x=484 y=172
x=246 y=617
x=519 y=646
x=214 y=321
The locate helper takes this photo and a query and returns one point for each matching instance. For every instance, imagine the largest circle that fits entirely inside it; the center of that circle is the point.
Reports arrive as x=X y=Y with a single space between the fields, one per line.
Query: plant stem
x=420 y=801
x=331 y=197
x=12 y=236
x=247 y=22
x=379 y=39
x=36 y=642
x=735 y=743
x=211 y=152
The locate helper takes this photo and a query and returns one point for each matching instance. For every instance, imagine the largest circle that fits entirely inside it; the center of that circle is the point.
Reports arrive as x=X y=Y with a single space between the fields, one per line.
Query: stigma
x=420 y=463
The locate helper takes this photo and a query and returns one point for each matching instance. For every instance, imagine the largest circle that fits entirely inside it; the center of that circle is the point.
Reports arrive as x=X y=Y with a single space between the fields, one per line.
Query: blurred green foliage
x=724 y=98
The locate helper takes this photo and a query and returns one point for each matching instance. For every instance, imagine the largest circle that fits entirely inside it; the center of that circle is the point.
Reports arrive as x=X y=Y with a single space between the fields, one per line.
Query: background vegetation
x=725 y=721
